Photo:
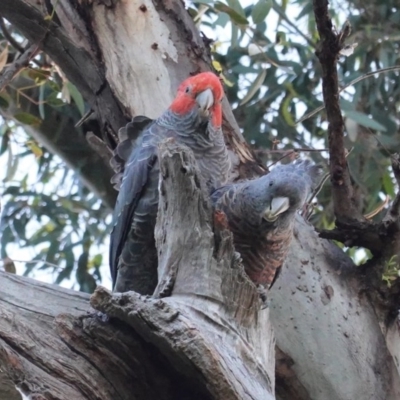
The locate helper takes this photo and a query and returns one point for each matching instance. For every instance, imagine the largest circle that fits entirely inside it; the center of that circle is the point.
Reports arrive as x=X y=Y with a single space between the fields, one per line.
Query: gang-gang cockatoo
x=193 y=119
x=261 y=216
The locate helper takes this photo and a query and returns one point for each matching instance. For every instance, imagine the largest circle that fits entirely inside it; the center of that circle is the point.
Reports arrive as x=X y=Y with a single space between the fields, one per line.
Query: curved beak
x=205 y=100
x=278 y=206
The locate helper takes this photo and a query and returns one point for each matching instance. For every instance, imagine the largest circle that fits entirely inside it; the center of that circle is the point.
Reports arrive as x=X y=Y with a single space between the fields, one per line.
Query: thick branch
x=71 y=51
x=328 y=53
x=50 y=349
x=357 y=234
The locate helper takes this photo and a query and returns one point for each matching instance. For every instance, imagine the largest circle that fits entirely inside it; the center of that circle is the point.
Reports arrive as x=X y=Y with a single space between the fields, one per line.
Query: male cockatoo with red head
x=193 y=119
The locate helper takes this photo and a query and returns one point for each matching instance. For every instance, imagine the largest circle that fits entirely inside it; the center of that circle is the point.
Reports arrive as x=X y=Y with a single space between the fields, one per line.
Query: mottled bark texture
x=332 y=344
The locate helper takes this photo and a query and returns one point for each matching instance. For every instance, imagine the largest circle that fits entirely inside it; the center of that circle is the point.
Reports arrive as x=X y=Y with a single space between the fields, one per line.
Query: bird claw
x=262 y=291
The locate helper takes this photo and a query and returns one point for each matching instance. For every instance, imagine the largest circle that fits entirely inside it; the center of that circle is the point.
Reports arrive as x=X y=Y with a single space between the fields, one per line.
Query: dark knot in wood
x=337 y=175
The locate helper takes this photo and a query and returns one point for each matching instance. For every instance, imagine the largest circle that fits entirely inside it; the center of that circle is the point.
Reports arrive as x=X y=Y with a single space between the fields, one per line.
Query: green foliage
x=391 y=271
x=277 y=80
x=59 y=223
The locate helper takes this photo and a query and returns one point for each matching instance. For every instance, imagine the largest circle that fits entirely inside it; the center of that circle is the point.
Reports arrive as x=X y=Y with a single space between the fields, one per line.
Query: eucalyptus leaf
x=4 y=100
x=78 y=99
x=27 y=118
x=364 y=120
x=5 y=139
x=12 y=165
x=388 y=184
x=236 y=17
x=237 y=6
x=254 y=87
x=261 y=10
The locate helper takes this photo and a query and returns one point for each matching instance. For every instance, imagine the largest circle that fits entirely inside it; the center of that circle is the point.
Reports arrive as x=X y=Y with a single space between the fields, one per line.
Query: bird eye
x=187 y=90
x=271 y=183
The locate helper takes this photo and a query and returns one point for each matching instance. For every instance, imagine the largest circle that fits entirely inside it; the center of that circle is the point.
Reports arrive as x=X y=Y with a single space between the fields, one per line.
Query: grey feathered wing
x=132 y=238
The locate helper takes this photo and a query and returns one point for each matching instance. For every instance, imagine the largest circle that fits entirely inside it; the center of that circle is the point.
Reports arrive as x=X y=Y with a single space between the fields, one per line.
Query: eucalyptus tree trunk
x=208 y=338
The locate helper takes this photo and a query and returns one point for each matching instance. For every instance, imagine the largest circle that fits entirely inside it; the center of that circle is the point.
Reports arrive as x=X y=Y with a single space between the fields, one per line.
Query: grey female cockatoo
x=261 y=216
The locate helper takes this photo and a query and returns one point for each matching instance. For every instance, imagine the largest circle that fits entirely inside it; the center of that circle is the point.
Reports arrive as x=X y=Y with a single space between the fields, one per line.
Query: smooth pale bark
x=327 y=326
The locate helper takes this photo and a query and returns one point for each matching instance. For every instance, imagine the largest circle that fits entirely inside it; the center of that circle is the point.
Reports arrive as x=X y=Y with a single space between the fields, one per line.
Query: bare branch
x=353 y=82
x=328 y=53
x=284 y=151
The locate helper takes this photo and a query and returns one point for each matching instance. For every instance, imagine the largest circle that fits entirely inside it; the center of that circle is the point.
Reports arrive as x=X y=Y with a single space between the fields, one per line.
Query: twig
x=18 y=65
x=316 y=191
x=282 y=151
x=38 y=261
x=306 y=213
x=378 y=209
x=87 y=115
x=353 y=82
x=328 y=54
x=287 y=154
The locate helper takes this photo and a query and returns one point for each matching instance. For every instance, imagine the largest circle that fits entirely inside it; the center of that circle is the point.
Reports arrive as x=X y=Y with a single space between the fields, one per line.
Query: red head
x=205 y=90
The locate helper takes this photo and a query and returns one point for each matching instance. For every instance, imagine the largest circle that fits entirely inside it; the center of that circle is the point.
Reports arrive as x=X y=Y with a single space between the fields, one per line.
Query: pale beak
x=205 y=100
x=278 y=206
